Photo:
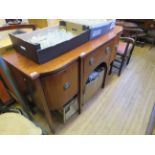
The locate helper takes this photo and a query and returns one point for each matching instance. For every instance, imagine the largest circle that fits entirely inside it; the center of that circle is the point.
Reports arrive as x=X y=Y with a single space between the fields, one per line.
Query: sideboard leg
x=104 y=76
x=46 y=109
x=81 y=85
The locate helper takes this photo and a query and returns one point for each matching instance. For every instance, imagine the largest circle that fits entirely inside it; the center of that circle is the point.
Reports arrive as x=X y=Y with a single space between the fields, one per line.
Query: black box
x=42 y=55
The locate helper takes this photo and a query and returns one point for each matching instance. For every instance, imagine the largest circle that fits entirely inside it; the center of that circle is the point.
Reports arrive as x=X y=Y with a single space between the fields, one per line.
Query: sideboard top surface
x=34 y=70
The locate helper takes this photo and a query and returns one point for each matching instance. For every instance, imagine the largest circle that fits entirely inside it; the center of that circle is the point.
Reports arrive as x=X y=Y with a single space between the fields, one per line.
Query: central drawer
x=100 y=55
x=62 y=86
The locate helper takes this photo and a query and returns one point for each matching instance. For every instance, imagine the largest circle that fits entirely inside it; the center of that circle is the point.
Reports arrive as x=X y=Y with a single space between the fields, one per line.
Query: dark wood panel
x=4 y=95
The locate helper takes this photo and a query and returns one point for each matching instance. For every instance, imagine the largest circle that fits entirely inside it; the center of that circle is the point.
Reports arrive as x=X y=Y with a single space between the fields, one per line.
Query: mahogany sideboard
x=46 y=82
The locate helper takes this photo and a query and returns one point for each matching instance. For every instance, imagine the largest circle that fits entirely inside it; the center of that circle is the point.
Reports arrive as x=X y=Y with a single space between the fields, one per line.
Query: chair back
x=17 y=26
x=129 y=41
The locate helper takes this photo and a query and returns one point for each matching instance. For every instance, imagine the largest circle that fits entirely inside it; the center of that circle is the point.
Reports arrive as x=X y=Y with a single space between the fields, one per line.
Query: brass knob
x=107 y=50
x=67 y=85
x=91 y=61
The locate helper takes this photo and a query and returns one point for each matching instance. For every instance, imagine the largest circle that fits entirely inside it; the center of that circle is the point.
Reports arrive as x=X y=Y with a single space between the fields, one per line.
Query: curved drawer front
x=62 y=87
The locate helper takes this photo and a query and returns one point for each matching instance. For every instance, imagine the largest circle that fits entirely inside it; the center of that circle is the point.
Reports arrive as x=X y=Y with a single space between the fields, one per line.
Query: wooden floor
x=125 y=104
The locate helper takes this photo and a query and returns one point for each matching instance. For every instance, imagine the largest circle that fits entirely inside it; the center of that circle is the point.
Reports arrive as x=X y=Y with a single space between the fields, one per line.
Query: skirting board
x=151 y=124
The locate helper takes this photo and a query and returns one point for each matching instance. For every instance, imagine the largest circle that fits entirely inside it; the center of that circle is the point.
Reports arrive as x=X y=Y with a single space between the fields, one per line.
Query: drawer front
x=62 y=86
x=102 y=54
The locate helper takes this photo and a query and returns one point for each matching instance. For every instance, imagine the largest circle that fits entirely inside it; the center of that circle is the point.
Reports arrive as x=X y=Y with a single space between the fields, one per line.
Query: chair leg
x=128 y=60
x=104 y=77
x=121 y=67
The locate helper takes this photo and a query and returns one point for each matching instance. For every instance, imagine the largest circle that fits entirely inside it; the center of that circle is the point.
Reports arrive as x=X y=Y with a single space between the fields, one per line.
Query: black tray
x=34 y=51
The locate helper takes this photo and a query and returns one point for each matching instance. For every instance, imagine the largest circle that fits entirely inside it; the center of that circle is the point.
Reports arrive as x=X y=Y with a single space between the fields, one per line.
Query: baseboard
x=151 y=124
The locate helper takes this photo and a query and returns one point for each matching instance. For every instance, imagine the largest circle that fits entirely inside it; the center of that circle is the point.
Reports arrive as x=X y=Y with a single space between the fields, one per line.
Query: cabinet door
x=62 y=86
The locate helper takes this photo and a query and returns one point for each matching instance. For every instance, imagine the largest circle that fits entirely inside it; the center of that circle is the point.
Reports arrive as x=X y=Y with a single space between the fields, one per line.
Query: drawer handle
x=107 y=50
x=67 y=85
x=91 y=61
x=23 y=48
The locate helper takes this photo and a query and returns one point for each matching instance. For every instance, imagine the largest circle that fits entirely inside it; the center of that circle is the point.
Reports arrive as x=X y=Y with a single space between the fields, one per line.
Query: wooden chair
x=124 y=53
x=17 y=26
x=133 y=29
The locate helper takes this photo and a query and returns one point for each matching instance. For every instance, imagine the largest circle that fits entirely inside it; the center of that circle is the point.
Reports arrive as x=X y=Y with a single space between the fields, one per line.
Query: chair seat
x=16 y=124
x=127 y=24
x=136 y=30
x=124 y=53
x=122 y=46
